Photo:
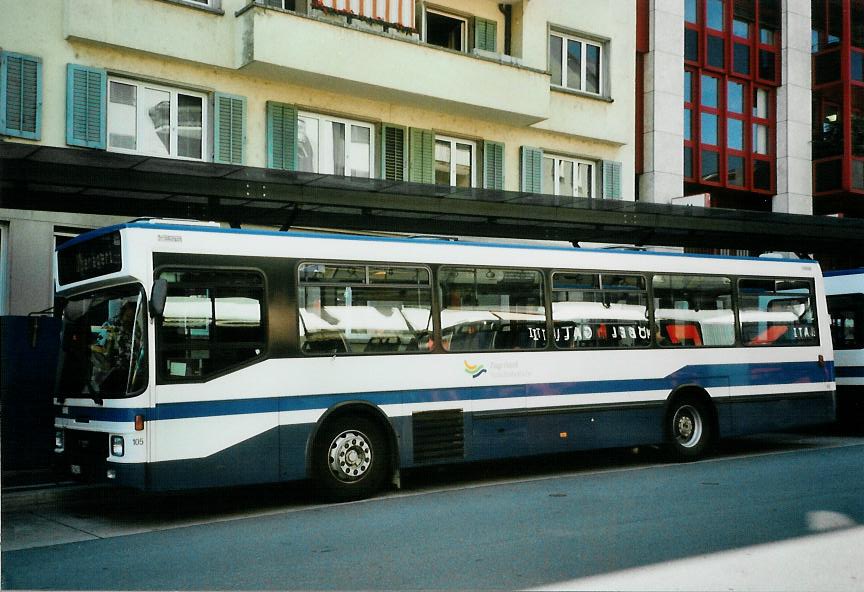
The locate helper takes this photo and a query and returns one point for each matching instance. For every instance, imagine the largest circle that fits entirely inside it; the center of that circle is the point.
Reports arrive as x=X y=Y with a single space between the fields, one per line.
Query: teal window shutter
x=611 y=179
x=281 y=136
x=393 y=153
x=229 y=132
x=86 y=90
x=485 y=34
x=422 y=156
x=20 y=95
x=493 y=165
x=532 y=169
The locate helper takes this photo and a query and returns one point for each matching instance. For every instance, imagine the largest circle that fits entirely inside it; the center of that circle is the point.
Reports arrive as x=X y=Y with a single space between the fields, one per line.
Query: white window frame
x=556 y=174
x=451 y=15
x=601 y=66
x=173 y=123
x=347 y=123
x=453 y=141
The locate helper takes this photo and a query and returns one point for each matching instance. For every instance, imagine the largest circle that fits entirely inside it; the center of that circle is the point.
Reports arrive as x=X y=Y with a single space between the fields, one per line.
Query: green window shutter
x=281 y=136
x=485 y=34
x=86 y=90
x=393 y=152
x=532 y=169
x=229 y=132
x=421 y=156
x=20 y=95
x=493 y=165
x=611 y=179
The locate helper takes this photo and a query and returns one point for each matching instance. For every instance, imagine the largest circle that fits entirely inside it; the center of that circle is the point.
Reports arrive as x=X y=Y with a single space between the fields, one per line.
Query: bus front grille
x=438 y=435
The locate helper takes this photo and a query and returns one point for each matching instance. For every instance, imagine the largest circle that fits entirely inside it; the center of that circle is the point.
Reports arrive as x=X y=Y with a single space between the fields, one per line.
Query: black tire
x=690 y=428
x=350 y=459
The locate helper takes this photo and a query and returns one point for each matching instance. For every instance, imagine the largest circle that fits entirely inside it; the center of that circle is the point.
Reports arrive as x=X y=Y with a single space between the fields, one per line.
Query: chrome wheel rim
x=349 y=456
x=687 y=426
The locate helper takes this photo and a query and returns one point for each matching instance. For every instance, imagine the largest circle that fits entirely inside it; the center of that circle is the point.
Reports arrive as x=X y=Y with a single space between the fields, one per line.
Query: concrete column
x=794 y=153
x=663 y=178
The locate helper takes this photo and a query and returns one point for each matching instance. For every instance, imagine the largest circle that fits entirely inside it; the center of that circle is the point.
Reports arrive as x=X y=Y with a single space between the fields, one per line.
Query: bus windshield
x=104 y=351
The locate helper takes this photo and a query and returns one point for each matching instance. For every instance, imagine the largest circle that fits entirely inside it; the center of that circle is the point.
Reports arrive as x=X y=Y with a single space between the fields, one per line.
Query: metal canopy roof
x=86 y=181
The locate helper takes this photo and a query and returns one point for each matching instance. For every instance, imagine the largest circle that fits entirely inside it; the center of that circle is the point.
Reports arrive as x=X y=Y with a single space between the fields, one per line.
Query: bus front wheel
x=350 y=461
x=690 y=428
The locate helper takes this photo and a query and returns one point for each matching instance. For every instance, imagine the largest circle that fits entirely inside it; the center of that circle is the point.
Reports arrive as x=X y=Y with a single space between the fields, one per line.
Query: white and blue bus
x=845 y=289
x=199 y=356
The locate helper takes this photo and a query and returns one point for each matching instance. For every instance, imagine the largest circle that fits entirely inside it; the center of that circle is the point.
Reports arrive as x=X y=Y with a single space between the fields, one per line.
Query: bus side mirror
x=158 y=295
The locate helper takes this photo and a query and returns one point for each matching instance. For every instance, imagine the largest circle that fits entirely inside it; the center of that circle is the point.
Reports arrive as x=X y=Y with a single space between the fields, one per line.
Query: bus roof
x=190 y=226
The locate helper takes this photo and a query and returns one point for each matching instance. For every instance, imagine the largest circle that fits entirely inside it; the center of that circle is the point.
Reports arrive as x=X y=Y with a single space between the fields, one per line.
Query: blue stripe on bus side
x=708 y=376
x=849 y=371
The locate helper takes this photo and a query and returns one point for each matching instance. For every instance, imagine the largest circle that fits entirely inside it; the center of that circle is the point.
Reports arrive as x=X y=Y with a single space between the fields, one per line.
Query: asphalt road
x=774 y=513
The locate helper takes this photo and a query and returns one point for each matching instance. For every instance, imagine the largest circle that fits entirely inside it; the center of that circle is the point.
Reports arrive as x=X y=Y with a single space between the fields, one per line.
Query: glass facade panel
x=688 y=125
x=716 y=51
x=735 y=134
x=735 y=97
x=736 y=173
x=760 y=139
x=761 y=175
x=857 y=66
x=690 y=11
x=709 y=133
x=767 y=65
x=710 y=166
x=691 y=45
x=714 y=14
x=709 y=91
x=741 y=58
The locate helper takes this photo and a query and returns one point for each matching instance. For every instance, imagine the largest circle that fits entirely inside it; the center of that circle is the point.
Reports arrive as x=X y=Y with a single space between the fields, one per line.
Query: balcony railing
x=399 y=13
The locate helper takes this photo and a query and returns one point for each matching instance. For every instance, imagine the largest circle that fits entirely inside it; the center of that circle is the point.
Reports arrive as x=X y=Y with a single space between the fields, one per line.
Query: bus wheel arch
x=352 y=452
x=690 y=423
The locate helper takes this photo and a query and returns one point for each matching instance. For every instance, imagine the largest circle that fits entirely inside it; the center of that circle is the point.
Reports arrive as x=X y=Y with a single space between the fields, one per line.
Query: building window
x=156 y=120
x=445 y=30
x=334 y=146
x=570 y=177
x=576 y=63
x=454 y=162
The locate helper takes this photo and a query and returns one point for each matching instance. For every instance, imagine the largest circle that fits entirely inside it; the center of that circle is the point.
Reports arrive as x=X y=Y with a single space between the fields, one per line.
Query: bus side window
x=213 y=320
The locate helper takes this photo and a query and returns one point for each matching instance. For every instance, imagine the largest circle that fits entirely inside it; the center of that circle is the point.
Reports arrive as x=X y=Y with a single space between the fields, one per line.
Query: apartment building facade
x=528 y=95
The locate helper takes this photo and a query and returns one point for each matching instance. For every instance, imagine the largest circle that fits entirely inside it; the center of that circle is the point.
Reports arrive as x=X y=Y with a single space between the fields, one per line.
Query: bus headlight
x=59 y=440
x=117 y=447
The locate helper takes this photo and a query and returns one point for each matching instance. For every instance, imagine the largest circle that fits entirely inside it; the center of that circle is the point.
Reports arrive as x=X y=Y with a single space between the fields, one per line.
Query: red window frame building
x=730 y=135
x=837 y=47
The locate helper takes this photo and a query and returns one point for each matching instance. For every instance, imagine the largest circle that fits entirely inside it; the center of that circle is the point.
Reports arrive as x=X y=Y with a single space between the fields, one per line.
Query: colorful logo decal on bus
x=474 y=370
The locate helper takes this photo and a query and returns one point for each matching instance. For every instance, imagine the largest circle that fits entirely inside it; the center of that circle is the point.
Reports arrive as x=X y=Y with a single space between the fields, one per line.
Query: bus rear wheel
x=350 y=459
x=690 y=428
